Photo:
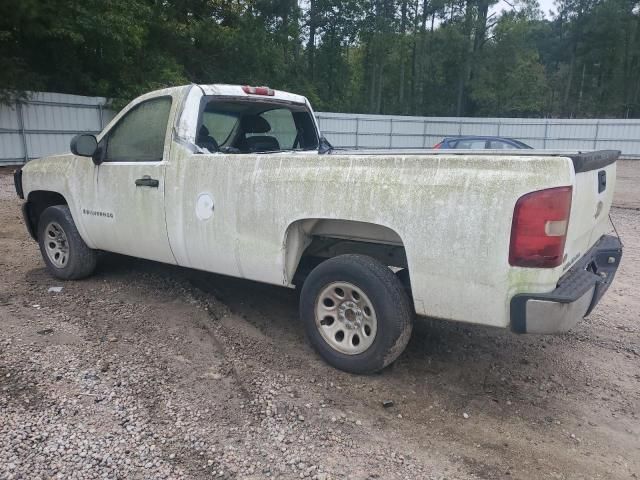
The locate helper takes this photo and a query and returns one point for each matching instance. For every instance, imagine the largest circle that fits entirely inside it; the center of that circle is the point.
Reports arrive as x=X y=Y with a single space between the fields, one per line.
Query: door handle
x=147 y=181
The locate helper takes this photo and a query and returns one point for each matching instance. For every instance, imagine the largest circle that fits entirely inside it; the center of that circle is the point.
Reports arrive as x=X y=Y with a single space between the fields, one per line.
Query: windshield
x=250 y=126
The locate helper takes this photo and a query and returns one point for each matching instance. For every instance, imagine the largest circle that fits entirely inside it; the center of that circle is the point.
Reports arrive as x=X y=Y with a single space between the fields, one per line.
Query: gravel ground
x=152 y=371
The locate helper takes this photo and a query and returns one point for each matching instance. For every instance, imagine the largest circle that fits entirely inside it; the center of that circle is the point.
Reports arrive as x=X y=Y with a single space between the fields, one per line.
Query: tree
x=423 y=57
x=510 y=80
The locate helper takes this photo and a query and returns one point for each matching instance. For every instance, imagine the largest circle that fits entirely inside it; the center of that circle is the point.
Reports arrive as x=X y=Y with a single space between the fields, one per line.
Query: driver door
x=128 y=212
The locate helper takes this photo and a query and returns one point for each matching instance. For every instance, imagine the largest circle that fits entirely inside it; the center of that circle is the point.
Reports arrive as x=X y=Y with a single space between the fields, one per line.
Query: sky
x=545 y=6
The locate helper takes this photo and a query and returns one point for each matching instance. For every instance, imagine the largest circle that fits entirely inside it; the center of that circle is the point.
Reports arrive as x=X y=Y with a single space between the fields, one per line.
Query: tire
x=66 y=255
x=366 y=295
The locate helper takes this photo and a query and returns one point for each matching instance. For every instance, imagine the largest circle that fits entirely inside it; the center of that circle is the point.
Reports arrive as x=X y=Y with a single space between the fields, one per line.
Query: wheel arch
x=309 y=241
x=37 y=202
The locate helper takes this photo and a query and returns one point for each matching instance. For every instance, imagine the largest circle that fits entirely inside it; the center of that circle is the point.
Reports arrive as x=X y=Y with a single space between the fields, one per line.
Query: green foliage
x=417 y=57
x=510 y=80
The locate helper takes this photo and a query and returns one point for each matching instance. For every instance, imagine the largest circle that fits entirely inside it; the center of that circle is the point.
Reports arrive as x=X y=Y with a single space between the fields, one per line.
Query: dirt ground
x=152 y=371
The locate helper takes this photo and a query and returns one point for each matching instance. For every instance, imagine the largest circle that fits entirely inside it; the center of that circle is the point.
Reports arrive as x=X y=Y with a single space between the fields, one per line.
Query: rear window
x=249 y=126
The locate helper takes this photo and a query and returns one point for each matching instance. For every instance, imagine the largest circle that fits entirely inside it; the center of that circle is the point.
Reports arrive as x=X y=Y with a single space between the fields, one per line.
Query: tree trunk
x=479 y=35
x=403 y=28
x=419 y=98
x=428 y=53
x=631 y=59
x=466 y=61
x=311 y=44
x=567 y=90
x=584 y=71
x=380 y=89
x=372 y=87
x=481 y=25
x=414 y=59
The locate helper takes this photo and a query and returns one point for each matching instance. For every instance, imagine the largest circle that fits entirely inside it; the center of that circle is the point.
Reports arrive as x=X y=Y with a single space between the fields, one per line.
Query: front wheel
x=356 y=313
x=63 y=250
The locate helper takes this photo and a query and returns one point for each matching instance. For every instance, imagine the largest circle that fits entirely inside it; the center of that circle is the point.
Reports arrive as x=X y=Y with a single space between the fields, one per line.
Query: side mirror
x=84 y=145
x=323 y=145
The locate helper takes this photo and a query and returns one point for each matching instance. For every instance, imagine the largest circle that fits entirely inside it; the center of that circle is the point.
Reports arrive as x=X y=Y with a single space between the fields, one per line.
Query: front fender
x=71 y=177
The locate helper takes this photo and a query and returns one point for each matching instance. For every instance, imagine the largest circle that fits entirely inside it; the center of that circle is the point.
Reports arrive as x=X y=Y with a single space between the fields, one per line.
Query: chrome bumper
x=575 y=296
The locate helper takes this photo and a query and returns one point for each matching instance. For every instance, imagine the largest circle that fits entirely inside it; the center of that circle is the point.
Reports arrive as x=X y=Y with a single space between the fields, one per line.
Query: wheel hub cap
x=56 y=245
x=345 y=318
x=350 y=314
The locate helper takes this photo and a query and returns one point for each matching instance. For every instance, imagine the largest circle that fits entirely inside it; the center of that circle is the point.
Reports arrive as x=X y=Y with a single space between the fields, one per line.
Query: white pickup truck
x=239 y=181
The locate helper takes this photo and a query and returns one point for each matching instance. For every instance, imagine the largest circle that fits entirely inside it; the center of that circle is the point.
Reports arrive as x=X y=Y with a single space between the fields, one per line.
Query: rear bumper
x=576 y=294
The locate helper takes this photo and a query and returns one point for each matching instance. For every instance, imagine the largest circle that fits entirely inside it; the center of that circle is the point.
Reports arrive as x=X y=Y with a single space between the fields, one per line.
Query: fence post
x=424 y=134
x=595 y=139
x=499 y=123
x=357 y=131
x=22 y=132
x=101 y=116
x=546 y=130
x=459 y=126
x=391 y=133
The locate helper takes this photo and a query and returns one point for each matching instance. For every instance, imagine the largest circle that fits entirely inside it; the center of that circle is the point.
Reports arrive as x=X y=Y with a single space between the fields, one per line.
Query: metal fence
x=383 y=131
x=45 y=124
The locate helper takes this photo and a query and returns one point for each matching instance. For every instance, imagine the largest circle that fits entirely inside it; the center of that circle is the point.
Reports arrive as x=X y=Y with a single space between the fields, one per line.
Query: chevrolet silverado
x=239 y=181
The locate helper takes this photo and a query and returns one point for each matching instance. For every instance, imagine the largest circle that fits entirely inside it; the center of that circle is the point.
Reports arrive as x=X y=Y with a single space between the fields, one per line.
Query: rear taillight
x=258 y=90
x=539 y=228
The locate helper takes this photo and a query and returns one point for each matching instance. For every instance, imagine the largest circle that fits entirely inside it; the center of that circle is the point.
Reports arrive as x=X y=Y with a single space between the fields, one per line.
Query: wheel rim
x=345 y=318
x=56 y=245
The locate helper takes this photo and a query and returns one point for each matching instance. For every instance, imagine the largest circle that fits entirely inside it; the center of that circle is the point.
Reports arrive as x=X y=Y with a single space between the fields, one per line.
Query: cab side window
x=479 y=144
x=498 y=145
x=139 y=135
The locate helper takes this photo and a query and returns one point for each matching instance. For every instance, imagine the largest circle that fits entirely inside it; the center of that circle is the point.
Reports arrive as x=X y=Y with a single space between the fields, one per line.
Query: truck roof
x=237 y=91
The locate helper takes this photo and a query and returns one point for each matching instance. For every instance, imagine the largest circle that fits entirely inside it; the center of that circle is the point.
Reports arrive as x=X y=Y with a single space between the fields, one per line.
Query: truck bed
x=582 y=161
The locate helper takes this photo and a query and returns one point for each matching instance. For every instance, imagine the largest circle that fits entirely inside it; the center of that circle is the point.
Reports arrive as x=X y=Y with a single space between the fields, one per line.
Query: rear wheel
x=63 y=250
x=356 y=313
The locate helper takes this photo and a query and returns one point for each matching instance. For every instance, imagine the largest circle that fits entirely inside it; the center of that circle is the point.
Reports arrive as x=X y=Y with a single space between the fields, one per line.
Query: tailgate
x=592 y=198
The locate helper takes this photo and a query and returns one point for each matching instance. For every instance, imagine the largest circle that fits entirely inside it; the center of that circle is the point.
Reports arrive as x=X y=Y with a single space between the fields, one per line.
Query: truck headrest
x=254 y=124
